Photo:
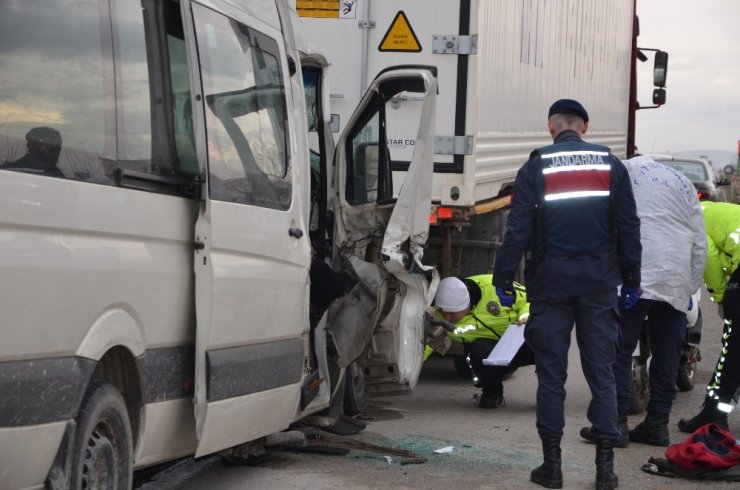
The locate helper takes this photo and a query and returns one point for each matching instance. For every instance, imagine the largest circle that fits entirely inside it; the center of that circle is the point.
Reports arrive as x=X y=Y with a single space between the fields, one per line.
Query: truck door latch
x=454 y=44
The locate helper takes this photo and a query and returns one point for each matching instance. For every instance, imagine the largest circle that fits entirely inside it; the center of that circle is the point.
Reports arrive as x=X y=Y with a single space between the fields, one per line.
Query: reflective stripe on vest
x=575 y=174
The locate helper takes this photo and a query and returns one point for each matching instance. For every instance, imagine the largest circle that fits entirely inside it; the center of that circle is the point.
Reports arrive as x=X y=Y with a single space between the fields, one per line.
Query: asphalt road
x=490 y=448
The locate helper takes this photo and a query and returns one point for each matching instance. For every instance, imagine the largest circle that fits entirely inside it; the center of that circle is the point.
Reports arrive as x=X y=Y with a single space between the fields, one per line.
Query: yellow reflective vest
x=487 y=318
x=722 y=222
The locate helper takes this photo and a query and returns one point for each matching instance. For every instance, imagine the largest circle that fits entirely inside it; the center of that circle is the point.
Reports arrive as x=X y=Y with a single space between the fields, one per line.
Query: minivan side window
x=85 y=92
x=245 y=112
x=363 y=160
x=56 y=92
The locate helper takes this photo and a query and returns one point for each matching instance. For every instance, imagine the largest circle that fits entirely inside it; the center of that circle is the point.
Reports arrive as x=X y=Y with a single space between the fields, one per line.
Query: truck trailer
x=500 y=65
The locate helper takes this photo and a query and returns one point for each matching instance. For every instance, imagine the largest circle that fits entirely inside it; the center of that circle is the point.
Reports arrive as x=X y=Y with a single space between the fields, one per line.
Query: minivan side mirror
x=660 y=69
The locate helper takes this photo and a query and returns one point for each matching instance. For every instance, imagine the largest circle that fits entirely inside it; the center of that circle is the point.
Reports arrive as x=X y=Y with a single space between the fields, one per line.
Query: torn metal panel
x=410 y=216
x=353 y=317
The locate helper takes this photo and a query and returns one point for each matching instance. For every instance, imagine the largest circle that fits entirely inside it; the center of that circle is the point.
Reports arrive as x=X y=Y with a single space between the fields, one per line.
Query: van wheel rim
x=99 y=466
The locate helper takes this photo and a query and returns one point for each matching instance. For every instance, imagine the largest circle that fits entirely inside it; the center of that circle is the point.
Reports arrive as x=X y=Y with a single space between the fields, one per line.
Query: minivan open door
x=382 y=224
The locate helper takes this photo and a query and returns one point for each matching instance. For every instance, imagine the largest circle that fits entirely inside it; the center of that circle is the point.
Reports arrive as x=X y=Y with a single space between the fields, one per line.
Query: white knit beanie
x=452 y=295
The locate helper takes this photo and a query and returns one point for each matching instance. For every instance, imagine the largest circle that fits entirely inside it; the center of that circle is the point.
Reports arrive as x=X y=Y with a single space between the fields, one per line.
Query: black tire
x=686 y=373
x=639 y=388
x=356 y=391
x=102 y=452
x=687 y=370
x=462 y=368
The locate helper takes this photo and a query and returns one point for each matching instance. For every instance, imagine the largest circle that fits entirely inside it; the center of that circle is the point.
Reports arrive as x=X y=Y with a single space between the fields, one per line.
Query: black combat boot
x=653 y=430
x=549 y=474
x=709 y=414
x=624 y=437
x=605 y=477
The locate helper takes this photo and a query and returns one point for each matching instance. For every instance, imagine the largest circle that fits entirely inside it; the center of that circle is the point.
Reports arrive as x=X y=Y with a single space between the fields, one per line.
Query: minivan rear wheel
x=102 y=452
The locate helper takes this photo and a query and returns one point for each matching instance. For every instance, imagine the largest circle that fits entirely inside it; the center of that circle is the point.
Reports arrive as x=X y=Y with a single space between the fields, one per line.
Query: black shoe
x=622 y=441
x=490 y=400
x=709 y=414
x=653 y=430
x=549 y=474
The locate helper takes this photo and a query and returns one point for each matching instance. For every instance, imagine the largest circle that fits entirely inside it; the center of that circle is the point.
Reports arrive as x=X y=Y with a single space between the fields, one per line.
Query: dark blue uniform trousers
x=666 y=330
x=548 y=334
x=490 y=378
x=725 y=382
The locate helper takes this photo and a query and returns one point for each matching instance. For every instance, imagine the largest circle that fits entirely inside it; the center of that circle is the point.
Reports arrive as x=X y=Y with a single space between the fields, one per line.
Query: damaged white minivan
x=187 y=261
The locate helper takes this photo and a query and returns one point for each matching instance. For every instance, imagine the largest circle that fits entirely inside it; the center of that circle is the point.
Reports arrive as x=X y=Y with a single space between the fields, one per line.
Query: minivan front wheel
x=356 y=391
x=102 y=452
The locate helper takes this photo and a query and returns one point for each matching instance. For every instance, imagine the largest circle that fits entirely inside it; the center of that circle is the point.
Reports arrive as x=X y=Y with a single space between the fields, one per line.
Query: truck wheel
x=639 y=388
x=102 y=452
x=356 y=391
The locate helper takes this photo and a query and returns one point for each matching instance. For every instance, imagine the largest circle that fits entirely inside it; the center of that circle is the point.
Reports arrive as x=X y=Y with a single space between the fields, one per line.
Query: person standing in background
x=673 y=254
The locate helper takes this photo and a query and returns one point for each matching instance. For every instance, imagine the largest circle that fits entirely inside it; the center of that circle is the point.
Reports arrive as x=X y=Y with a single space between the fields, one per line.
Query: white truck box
x=500 y=66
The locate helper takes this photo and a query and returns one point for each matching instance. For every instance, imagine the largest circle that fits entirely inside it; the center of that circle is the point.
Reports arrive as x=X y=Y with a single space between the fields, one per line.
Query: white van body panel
x=114 y=327
x=24 y=444
x=169 y=432
x=62 y=248
x=246 y=418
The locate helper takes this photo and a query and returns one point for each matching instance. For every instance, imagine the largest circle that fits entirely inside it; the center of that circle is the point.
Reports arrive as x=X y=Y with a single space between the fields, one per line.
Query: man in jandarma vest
x=574 y=219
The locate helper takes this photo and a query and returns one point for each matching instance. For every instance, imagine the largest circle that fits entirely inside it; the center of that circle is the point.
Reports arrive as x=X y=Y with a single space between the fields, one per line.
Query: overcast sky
x=702 y=110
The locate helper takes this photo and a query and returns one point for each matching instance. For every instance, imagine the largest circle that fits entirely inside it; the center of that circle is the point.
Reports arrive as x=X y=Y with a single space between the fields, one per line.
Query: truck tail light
x=439 y=214
x=444 y=213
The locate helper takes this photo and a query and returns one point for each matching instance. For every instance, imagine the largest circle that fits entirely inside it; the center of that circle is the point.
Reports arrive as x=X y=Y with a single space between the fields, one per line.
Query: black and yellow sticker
x=400 y=36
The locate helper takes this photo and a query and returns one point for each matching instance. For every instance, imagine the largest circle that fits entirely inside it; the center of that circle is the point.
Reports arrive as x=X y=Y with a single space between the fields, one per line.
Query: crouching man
x=480 y=321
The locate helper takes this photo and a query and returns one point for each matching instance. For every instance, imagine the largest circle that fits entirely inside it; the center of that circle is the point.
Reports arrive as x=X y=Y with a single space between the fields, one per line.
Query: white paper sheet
x=444 y=450
x=507 y=347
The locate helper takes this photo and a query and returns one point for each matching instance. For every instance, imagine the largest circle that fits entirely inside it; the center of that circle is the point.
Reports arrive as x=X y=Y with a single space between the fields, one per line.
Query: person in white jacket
x=674 y=247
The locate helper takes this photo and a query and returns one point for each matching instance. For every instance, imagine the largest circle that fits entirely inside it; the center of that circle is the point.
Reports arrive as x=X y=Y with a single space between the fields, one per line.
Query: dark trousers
x=725 y=381
x=666 y=330
x=490 y=378
x=548 y=334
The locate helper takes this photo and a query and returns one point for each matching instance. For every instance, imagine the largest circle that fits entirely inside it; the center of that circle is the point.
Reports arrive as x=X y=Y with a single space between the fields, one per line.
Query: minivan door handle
x=295 y=232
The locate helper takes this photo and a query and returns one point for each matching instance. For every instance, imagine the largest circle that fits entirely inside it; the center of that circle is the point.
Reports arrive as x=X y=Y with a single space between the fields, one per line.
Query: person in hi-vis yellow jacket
x=722 y=278
x=471 y=304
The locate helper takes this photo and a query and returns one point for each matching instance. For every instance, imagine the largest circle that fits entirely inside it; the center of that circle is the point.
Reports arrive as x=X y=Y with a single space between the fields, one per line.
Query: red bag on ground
x=709 y=447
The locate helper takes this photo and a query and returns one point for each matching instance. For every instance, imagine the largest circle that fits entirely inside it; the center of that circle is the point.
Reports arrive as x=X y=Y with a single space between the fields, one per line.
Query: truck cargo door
x=381 y=229
x=252 y=251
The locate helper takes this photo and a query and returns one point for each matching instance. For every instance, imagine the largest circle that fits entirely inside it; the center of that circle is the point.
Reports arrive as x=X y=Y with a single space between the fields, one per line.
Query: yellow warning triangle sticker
x=400 y=36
